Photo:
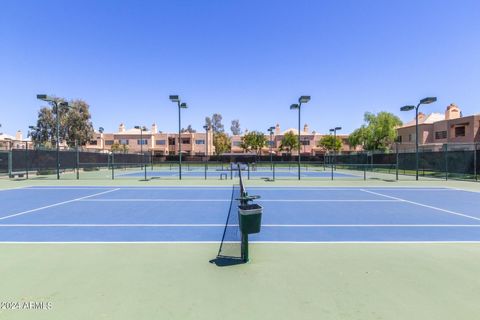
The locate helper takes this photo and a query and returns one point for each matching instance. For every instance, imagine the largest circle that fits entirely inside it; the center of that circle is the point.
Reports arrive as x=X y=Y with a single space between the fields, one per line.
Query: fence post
x=248 y=171
x=273 y=172
x=206 y=170
x=475 y=161
x=364 y=172
x=445 y=150
x=113 y=165
x=26 y=159
x=77 y=160
x=145 y=166
x=10 y=163
x=396 y=161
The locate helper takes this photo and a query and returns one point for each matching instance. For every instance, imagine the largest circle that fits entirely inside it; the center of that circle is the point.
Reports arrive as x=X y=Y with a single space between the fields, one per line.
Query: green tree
x=222 y=142
x=330 y=143
x=254 y=140
x=235 y=127
x=378 y=132
x=75 y=125
x=289 y=142
x=116 y=147
x=216 y=123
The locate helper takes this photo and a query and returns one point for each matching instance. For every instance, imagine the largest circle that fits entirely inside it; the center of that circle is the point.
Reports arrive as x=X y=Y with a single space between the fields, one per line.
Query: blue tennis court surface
x=198 y=214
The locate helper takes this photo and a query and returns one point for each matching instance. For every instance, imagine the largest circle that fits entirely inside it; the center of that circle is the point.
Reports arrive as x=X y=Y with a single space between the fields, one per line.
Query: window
x=199 y=141
x=93 y=142
x=142 y=142
x=108 y=142
x=305 y=142
x=271 y=143
x=237 y=143
x=171 y=141
x=411 y=137
x=399 y=139
x=123 y=141
x=185 y=140
x=160 y=142
x=440 y=135
x=460 y=131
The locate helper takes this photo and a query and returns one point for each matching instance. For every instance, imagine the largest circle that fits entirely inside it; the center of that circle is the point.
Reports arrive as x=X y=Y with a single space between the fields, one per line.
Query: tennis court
x=197 y=214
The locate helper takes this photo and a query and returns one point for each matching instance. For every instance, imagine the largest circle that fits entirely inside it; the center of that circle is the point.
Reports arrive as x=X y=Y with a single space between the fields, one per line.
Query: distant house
x=437 y=129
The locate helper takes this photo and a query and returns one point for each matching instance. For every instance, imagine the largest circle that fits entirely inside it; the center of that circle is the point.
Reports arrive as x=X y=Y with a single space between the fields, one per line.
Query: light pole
x=301 y=100
x=101 y=137
x=56 y=103
x=141 y=128
x=271 y=146
x=334 y=130
x=181 y=105
x=206 y=127
x=427 y=100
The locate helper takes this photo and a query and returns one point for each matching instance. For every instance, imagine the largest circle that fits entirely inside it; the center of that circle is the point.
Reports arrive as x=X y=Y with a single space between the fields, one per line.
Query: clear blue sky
x=244 y=59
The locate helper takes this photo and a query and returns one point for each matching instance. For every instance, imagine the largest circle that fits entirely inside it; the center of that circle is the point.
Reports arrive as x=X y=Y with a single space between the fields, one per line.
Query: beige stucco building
x=309 y=142
x=437 y=129
x=153 y=141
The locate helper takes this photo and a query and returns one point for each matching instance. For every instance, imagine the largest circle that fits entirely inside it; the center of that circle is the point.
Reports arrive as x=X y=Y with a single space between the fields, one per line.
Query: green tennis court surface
x=283 y=280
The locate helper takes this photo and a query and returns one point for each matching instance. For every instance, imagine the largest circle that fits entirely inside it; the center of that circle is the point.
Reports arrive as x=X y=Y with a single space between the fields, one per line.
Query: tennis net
x=230 y=251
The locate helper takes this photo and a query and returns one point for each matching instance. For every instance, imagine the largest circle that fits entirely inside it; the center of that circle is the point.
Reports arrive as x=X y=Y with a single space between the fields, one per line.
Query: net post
x=231 y=172
x=364 y=172
x=396 y=161
x=248 y=171
x=206 y=169
x=244 y=247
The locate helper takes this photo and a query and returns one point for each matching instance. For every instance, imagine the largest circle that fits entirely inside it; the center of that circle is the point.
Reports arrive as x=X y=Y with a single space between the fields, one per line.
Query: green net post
x=273 y=173
x=206 y=170
x=364 y=172
x=231 y=173
x=248 y=171
x=244 y=247
x=151 y=161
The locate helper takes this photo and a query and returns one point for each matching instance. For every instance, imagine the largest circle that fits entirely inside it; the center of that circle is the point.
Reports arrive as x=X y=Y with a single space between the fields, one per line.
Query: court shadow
x=227 y=261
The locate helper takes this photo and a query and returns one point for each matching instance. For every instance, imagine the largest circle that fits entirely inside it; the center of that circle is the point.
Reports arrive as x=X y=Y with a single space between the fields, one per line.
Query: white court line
x=14 y=188
x=286 y=188
x=379 y=242
x=154 y=225
x=228 y=200
x=55 y=204
x=422 y=205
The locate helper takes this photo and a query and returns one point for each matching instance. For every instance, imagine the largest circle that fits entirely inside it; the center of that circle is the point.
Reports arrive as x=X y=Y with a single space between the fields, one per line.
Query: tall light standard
x=141 y=128
x=427 y=100
x=181 y=105
x=271 y=146
x=206 y=127
x=101 y=138
x=57 y=103
x=334 y=130
x=301 y=100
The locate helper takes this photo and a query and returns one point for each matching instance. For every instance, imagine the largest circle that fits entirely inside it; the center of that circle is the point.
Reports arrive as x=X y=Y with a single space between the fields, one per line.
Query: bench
x=12 y=175
x=222 y=175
